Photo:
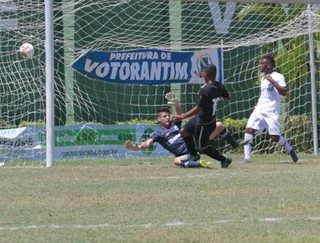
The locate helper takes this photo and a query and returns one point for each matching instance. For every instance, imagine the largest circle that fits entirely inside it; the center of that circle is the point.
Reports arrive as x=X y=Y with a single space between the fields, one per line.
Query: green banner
x=87 y=136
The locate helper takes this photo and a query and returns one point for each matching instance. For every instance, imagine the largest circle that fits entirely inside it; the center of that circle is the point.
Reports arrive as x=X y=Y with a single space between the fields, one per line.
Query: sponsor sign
x=79 y=141
x=148 y=66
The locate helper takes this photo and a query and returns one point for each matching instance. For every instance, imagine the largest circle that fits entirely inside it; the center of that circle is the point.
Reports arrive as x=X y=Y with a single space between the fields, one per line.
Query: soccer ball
x=26 y=50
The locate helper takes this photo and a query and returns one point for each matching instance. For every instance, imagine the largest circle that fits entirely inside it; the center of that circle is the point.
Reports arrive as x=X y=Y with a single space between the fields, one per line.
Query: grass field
x=150 y=200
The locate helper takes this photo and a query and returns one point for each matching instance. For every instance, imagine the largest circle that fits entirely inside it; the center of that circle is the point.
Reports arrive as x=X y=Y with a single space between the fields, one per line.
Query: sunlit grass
x=151 y=200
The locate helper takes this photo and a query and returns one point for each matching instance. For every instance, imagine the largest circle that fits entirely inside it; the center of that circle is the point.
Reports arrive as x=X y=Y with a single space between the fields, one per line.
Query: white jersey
x=270 y=99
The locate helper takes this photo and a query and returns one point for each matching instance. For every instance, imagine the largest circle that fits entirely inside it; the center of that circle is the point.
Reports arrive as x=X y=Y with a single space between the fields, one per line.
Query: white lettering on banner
x=124 y=72
x=165 y=71
x=155 y=71
x=66 y=138
x=103 y=69
x=165 y=55
x=222 y=25
x=115 y=66
x=132 y=56
x=144 y=71
x=181 y=70
x=138 y=71
x=111 y=137
x=89 y=67
x=135 y=67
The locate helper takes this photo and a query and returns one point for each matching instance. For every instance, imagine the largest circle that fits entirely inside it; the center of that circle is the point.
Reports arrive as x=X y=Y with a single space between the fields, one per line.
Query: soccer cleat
x=243 y=142
x=190 y=157
x=293 y=155
x=226 y=163
x=205 y=164
x=245 y=161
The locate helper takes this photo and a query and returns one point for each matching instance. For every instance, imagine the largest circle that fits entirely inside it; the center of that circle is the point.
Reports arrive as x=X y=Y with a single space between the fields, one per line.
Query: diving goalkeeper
x=168 y=137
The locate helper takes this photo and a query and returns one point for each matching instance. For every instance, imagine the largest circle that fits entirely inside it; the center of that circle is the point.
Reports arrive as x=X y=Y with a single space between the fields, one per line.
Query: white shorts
x=261 y=121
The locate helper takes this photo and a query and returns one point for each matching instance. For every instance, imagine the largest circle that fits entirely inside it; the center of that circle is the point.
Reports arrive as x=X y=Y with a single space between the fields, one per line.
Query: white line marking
x=212 y=174
x=150 y=225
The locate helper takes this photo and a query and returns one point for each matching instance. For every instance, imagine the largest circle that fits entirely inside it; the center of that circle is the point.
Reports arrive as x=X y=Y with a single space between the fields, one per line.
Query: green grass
x=150 y=200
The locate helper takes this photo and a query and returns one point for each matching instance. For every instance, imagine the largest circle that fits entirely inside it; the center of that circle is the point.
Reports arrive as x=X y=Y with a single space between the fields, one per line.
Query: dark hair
x=270 y=59
x=163 y=109
x=211 y=70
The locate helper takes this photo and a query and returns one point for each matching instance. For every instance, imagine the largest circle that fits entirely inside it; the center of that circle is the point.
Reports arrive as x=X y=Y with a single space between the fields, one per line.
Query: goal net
x=88 y=108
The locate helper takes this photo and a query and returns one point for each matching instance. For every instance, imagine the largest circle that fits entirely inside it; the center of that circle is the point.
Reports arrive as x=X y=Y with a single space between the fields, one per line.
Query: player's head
x=267 y=63
x=163 y=116
x=210 y=72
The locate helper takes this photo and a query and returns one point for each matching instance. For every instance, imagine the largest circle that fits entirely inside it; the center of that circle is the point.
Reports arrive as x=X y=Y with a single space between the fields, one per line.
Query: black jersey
x=209 y=95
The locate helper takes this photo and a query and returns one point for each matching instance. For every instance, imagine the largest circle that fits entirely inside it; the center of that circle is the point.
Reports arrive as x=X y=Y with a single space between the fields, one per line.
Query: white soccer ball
x=26 y=50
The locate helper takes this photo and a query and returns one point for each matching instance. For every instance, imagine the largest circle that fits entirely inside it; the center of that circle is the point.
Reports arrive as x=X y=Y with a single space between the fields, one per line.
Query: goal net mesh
x=245 y=31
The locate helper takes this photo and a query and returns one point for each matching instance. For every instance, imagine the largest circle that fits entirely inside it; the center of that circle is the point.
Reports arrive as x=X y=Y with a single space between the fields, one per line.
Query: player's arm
x=282 y=90
x=172 y=100
x=195 y=110
x=136 y=147
x=178 y=108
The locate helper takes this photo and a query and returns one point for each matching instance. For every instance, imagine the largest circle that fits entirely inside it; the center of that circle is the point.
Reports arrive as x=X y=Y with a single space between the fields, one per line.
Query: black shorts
x=191 y=125
x=200 y=132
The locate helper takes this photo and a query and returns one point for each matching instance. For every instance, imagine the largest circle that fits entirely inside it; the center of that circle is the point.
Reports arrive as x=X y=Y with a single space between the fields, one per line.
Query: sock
x=192 y=164
x=226 y=134
x=247 y=147
x=190 y=145
x=213 y=153
x=283 y=142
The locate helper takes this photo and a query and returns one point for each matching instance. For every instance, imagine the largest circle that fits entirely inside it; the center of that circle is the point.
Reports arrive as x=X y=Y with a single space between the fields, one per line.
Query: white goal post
x=51 y=111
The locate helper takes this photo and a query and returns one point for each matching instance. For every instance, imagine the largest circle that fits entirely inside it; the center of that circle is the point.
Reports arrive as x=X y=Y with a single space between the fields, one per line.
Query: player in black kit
x=202 y=124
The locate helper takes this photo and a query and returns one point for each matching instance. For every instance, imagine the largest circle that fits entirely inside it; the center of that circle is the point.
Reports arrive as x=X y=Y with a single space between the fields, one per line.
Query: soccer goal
x=93 y=116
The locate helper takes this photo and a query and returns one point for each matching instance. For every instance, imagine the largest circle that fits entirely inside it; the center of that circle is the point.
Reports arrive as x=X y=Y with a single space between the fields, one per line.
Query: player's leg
x=274 y=130
x=284 y=143
x=255 y=125
x=201 y=135
x=219 y=128
x=213 y=153
x=249 y=134
x=181 y=161
x=187 y=132
x=226 y=135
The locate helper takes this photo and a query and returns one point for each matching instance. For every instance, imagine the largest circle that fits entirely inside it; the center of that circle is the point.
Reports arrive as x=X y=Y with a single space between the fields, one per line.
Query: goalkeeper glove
x=171 y=98
x=129 y=145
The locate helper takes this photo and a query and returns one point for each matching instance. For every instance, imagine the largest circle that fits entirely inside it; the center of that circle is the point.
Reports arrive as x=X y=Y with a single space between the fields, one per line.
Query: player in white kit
x=266 y=114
